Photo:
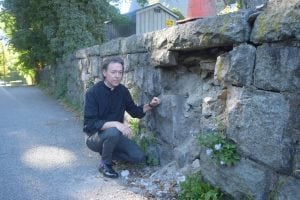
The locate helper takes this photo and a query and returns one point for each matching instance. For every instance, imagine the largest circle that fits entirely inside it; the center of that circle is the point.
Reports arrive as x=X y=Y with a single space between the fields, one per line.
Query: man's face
x=113 y=74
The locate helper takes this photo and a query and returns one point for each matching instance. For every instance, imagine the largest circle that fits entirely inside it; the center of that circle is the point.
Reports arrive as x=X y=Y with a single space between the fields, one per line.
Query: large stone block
x=175 y=129
x=187 y=151
x=151 y=81
x=164 y=58
x=90 y=51
x=236 y=67
x=94 y=62
x=245 y=180
x=110 y=48
x=224 y=30
x=132 y=61
x=93 y=51
x=277 y=23
x=294 y=128
x=161 y=38
x=169 y=119
x=258 y=123
x=136 y=44
x=85 y=65
x=277 y=68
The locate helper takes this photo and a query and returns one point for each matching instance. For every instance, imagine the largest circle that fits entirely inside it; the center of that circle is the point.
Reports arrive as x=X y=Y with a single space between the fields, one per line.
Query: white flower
x=222 y=162
x=218 y=146
x=209 y=152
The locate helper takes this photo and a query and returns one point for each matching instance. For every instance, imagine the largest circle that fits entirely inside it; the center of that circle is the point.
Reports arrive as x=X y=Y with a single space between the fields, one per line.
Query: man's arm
x=91 y=122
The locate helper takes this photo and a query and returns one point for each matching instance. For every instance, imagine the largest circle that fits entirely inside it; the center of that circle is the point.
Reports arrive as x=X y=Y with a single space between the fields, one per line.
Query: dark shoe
x=108 y=171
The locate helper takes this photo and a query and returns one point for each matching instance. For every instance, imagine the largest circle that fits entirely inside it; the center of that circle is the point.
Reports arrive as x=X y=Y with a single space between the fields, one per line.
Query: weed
x=89 y=83
x=194 y=188
x=274 y=192
x=220 y=148
x=144 y=141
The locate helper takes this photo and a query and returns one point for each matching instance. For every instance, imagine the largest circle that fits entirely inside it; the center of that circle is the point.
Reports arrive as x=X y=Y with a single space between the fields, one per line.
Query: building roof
x=157 y=5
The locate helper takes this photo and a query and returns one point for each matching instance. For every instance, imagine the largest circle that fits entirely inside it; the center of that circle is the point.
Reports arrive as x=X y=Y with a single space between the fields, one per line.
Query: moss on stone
x=262 y=24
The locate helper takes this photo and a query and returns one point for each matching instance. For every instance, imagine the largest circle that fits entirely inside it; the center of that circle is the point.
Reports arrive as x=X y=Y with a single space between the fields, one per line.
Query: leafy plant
x=220 y=148
x=90 y=82
x=143 y=141
x=135 y=127
x=194 y=188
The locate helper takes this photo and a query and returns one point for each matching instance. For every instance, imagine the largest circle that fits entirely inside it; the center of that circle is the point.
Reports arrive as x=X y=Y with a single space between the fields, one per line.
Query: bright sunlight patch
x=47 y=157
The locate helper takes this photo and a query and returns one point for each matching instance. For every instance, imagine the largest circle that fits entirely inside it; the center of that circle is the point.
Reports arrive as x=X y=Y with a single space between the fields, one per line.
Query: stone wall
x=242 y=69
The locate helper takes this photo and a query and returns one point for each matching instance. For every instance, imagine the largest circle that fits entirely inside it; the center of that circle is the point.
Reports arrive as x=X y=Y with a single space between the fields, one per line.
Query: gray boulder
x=277 y=68
x=224 y=30
x=136 y=44
x=248 y=180
x=94 y=62
x=187 y=152
x=277 y=23
x=110 y=48
x=260 y=130
x=236 y=67
x=169 y=118
x=164 y=58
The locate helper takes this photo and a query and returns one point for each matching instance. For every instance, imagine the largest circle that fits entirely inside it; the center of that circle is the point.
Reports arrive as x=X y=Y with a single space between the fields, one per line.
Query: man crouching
x=105 y=105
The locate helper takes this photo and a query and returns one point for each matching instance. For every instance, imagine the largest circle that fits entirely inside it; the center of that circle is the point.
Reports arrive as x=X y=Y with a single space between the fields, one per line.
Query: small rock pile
x=153 y=182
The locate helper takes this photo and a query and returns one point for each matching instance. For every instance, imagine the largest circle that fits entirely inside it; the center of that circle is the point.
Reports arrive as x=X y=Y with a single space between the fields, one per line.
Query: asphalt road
x=43 y=154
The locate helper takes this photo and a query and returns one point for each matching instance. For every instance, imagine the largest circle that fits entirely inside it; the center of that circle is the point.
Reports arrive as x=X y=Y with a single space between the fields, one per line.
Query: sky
x=127 y=6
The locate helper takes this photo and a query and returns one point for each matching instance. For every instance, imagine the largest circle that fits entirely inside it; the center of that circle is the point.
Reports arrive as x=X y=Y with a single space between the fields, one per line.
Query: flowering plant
x=219 y=148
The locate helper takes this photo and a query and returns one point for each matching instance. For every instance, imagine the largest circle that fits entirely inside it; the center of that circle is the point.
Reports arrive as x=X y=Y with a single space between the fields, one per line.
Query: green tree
x=3 y=65
x=178 y=13
x=44 y=31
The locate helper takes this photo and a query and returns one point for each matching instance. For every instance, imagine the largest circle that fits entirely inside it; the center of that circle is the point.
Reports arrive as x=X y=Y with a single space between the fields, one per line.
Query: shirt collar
x=108 y=88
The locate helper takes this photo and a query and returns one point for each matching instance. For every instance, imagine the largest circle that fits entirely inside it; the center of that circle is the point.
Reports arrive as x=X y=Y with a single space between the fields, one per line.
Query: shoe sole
x=108 y=175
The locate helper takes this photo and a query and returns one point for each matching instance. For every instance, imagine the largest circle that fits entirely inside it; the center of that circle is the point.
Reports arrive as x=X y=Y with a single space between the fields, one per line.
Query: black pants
x=113 y=145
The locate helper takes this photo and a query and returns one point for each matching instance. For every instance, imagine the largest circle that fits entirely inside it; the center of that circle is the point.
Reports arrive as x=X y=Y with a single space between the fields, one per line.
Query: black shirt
x=102 y=104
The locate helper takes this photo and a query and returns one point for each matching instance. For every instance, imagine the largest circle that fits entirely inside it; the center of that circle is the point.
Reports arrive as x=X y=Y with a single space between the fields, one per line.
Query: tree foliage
x=43 y=31
x=178 y=13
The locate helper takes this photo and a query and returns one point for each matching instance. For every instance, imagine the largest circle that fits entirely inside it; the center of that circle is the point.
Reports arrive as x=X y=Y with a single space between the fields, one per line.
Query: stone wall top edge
x=277 y=25
x=87 y=52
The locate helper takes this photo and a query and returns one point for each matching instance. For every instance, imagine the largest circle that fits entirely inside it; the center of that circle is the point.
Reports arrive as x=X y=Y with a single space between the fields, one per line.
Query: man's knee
x=111 y=133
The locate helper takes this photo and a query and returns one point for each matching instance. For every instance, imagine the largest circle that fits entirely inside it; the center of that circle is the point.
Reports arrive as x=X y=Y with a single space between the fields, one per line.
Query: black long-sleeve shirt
x=103 y=105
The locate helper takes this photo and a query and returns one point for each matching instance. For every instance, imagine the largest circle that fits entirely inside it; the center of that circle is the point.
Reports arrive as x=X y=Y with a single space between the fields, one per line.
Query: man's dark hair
x=107 y=61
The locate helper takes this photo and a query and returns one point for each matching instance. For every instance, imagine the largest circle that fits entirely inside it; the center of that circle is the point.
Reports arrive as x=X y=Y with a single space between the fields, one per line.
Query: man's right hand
x=124 y=128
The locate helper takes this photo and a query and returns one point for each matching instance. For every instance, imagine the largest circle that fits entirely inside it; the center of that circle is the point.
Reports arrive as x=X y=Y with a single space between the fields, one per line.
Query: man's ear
x=104 y=73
